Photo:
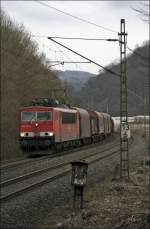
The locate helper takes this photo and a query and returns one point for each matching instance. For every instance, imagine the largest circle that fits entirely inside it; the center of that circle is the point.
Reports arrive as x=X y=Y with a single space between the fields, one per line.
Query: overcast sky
x=43 y=21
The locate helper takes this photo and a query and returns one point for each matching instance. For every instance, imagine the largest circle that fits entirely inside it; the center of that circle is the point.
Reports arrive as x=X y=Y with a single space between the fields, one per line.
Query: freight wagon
x=61 y=127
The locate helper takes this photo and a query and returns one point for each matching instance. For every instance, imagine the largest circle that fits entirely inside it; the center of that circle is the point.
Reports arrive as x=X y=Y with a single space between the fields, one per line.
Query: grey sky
x=41 y=20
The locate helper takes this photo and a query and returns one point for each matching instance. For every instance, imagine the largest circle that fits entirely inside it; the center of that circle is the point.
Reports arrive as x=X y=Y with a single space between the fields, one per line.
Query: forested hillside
x=24 y=75
x=103 y=92
x=75 y=79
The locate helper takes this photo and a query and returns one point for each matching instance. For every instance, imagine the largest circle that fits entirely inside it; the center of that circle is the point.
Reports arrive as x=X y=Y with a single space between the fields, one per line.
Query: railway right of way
x=30 y=165
x=14 y=187
x=19 y=185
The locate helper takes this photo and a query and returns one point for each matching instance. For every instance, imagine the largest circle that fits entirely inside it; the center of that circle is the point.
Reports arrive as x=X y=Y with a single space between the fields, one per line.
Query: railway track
x=20 y=171
x=14 y=187
x=38 y=172
x=25 y=161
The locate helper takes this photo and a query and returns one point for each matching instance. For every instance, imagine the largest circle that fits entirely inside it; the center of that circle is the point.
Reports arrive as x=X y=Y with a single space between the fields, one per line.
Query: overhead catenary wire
x=77 y=66
x=83 y=20
x=76 y=38
x=71 y=62
x=138 y=54
x=106 y=69
x=75 y=17
x=20 y=55
x=44 y=45
x=88 y=39
x=56 y=64
x=86 y=21
x=93 y=39
x=63 y=53
x=67 y=62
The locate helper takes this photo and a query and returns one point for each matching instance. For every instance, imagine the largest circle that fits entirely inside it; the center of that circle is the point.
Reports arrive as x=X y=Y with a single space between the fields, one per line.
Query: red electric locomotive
x=48 y=124
x=43 y=126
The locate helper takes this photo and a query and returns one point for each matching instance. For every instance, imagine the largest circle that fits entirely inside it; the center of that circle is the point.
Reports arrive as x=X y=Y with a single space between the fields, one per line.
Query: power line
x=63 y=52
x=83 y=20
x=40 y=36
x=106 y=69
x=71 y=62
x=22 y=56
x=88 y=39
x=78 y=18
x=138 y=54
x=135 y=94
x=66 y=56
x=110 y=71
x=67 y=62
x=62 y=63
x=94 y=39
x=44 y=45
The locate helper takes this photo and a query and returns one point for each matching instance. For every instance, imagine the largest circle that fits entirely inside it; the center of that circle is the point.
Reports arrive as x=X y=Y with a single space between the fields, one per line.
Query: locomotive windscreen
x=43 y=116
x=28 y=116
x=36 y=116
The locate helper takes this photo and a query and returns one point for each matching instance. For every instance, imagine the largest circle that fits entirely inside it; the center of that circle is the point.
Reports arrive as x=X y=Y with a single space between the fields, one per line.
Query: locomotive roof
x=35 y=107
x=47 y=108
x=65 y=109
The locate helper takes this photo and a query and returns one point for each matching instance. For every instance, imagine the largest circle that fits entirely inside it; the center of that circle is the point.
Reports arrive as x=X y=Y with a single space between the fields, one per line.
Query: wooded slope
x=103 y=92
x=24 y=75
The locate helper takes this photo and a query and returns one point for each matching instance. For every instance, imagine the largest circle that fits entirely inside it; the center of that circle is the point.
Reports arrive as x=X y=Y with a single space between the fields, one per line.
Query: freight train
x=48 y=124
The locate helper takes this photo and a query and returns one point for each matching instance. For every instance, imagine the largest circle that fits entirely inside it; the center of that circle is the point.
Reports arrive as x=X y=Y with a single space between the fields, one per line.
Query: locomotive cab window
x=69 y=118
x=44 y=116
x=28 y=116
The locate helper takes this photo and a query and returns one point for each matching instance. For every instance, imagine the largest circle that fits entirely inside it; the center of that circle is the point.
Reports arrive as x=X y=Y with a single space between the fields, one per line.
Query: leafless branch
x=144 y=12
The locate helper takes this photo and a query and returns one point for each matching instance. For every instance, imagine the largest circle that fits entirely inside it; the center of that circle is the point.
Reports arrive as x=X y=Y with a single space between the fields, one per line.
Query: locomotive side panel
x=66 y=126
x=57 y=125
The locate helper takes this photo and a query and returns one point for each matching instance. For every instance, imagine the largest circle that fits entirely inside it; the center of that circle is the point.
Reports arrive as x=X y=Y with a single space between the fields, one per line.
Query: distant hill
x=76 y=79
x=103 y=92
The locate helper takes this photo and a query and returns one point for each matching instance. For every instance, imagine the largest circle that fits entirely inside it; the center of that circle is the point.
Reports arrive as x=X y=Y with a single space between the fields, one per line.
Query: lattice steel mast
x=124 y=127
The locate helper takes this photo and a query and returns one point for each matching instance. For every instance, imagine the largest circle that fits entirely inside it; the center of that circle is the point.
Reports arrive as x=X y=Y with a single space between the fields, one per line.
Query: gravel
x=34 y=209
x=29 y=210
x=32 y=165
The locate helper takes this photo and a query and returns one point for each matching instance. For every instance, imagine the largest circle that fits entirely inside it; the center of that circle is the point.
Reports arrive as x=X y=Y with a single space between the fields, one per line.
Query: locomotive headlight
x=22 y=134
x=50 y=133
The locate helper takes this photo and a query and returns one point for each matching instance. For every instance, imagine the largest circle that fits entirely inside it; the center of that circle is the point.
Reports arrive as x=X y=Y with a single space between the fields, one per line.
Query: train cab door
x=57 y=125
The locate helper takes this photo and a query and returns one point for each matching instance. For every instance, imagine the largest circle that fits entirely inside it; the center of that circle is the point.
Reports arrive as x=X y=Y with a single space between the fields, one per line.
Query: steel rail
x=51 y=155
x=65 y=171
x=41 y=171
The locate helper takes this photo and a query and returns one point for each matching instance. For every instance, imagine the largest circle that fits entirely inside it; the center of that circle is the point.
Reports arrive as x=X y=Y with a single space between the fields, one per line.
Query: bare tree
x=144 y=11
